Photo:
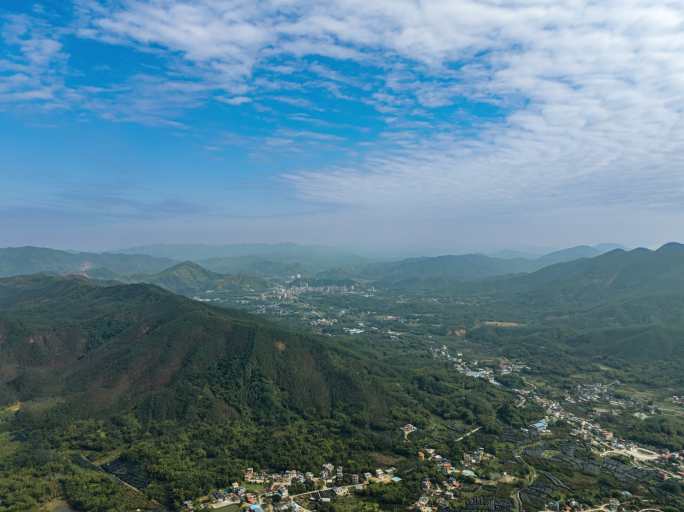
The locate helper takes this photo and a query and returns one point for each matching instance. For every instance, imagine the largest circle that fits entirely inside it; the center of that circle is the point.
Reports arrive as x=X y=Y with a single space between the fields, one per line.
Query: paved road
x=468 y=434
x=602 y=508
x=325 y=489
x=304 y=509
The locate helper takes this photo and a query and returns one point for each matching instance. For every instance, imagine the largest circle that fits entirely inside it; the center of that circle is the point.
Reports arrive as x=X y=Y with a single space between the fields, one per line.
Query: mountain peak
x=672 y=247
x=187 y=265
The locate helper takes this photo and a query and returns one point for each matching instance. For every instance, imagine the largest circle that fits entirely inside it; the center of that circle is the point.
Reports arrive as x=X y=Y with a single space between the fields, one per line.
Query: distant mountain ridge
x=30 y=260
x=572 y=253
x=188 y=278
x=257 y=266
x=261 y=259
x=272 y=261
x=465 y=267
x=558 y=255
x=616 y=272
x=185 y=278
x=619 y=306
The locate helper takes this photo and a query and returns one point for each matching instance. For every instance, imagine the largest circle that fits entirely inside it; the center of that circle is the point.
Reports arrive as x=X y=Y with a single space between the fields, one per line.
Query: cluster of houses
x=436 y=495
x=274 y=488
x=572 y=505
x=507 y=367
x=476 y=457
x=599 y=392
x=300 y=286
x=233 y=495
x=674 y=463
x=473 y=368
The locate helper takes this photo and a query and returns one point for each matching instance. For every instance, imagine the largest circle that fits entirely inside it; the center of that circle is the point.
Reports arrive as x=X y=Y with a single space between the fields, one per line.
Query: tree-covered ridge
x=141 y=345
x=187 y=278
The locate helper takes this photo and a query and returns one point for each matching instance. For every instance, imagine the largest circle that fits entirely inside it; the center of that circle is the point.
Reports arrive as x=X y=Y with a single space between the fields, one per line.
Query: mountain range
x=269 y=261
x=258 y=259
x=617 y=273
x=621 y=305
x=30 y=260
x=428 y=271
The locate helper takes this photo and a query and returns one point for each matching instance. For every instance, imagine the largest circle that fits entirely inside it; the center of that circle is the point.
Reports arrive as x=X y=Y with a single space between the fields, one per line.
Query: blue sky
x=387 y=125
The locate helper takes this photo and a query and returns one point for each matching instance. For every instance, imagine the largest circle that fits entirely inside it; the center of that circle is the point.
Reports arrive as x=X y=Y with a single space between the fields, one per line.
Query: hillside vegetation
x=110 y=346
x=187 y=394
x=188 y=278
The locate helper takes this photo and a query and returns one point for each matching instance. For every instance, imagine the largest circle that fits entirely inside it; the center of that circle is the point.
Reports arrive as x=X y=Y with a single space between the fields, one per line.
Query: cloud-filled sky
x=392 y=125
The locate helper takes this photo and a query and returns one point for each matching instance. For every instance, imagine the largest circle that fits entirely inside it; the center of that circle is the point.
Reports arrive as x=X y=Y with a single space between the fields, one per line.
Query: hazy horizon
x=409 y=252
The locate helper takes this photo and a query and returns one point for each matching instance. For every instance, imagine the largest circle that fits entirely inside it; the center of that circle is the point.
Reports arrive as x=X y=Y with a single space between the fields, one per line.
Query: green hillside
x=611 y=276
x=187 y=278
x=141 y=346
x=635 y=344
x=615 y=275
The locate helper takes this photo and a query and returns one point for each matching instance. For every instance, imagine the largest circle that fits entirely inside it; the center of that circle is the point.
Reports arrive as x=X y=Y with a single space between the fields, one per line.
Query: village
x=473 y=479
x=474 y=368
x=292 y=489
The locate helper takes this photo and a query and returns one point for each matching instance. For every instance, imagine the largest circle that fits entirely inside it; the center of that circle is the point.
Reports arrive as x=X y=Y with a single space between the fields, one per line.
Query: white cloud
x=31 y=63
x=235 y=100
x=146 y=99
x=594 y=91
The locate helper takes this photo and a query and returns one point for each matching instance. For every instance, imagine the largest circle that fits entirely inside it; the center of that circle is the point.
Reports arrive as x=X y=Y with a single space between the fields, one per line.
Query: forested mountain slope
x=187 y=278
x=121 y=346
x=616 y=274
